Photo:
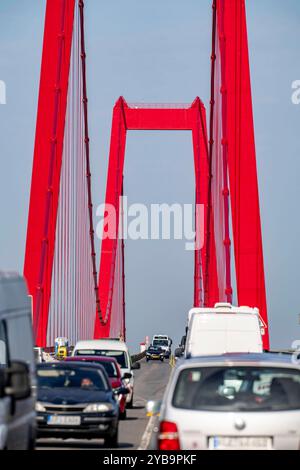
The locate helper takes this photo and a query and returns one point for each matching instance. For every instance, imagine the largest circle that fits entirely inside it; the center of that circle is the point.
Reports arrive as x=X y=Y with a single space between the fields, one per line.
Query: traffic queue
x=86 y=394
x=224 y=393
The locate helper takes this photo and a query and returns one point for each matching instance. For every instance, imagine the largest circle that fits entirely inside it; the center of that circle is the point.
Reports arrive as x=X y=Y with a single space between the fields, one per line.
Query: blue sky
x=159 y=51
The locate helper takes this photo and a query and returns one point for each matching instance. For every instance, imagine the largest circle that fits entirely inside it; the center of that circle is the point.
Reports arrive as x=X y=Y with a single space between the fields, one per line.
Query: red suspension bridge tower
x=60 y=259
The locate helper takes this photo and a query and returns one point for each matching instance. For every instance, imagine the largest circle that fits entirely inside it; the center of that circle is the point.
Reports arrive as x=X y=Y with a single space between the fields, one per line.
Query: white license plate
x=240 y=443
x=54 y=420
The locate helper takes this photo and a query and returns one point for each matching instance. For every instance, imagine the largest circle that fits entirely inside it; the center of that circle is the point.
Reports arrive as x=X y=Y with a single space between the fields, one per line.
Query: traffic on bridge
x=117 y=355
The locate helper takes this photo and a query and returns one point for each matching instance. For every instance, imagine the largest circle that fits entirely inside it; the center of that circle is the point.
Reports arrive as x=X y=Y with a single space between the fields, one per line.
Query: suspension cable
x=210 y=153
x=87 y=155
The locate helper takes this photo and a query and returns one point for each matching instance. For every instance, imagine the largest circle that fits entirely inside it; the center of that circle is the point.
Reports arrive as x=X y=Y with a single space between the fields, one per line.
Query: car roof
x=13 y=294
x=256 y=359
x=93 y=359
x=70 y=365
x=110 y=344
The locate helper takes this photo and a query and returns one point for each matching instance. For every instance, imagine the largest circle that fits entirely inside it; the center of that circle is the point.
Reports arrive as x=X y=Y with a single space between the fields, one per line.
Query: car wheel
x=112 y=441
x=147 y=359
x=123 y=414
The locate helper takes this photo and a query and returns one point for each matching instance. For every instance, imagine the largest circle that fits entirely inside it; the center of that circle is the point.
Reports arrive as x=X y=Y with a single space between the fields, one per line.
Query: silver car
x=235 y=401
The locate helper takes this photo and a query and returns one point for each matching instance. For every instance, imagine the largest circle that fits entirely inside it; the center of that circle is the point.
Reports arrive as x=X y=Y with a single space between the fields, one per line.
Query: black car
x=155 y=352
x=75 y=400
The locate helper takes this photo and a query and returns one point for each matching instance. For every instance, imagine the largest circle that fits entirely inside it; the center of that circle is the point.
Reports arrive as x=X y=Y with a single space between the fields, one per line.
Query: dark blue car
x=75 y=400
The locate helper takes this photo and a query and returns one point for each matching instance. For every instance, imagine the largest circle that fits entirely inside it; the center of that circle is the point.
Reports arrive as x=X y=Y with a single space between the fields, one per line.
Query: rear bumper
x=129 y=396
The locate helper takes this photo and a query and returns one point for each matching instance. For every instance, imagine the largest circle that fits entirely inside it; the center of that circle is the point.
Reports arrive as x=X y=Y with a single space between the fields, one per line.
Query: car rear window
x=120 y=356
x=238 y=389
x=109 y=367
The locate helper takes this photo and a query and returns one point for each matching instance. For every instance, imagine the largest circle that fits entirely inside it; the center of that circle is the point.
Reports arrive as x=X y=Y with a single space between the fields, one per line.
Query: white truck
x=224 y=329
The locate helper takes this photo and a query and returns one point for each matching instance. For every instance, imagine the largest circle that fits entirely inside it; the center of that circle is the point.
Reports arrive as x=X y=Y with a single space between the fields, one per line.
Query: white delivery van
x=17 y=366
x=224 y=329
x=111 y=348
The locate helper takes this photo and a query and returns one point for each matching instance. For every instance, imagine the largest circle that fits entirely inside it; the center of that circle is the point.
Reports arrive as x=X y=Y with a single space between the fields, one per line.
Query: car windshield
x=120 y=356
x=160 y=342
x=238 y=389
x=84 y=379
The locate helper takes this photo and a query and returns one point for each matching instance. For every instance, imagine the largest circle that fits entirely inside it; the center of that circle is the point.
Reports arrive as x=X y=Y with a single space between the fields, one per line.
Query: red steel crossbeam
x=47 y=159
x=159 y=117
x=239 y=142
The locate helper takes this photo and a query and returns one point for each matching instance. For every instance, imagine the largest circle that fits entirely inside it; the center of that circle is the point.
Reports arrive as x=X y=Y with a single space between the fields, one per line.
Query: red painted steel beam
x=47 y=159
x=109 y=244
x=240 y=142
x=151 y=117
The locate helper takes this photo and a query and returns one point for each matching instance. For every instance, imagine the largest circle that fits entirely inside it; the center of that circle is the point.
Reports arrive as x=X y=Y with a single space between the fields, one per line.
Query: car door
x=22 y=412
x=5 y=402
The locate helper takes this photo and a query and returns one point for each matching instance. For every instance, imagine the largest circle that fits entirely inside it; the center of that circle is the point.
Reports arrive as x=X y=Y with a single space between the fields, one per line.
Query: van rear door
x=213 y=334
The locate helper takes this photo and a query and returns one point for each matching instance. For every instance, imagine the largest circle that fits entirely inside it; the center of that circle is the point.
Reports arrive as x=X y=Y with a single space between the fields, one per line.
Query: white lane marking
x=147 y=435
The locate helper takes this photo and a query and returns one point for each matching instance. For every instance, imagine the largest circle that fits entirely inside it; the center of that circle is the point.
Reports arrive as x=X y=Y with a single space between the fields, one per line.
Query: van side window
x=3 y=346
x=19 y=333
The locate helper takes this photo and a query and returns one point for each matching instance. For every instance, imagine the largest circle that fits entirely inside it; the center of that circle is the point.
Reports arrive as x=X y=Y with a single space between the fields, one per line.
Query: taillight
x=168 y=438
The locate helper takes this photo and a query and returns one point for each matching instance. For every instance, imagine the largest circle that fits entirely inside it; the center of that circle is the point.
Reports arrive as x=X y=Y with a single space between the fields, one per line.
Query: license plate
x=240 y=443
x=54 y=420
x=155 y=357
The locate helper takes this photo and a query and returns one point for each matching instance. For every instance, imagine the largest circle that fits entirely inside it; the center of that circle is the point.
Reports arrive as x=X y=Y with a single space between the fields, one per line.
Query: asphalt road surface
x=136 y=431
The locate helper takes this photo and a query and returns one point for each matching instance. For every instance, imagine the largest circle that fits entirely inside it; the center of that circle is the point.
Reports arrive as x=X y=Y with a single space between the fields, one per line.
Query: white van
x=224 y=329
x=17 y=366
x=111 y=348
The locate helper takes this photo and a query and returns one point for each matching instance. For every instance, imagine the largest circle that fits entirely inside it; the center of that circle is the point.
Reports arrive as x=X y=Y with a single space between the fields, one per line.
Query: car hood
x=61 y=396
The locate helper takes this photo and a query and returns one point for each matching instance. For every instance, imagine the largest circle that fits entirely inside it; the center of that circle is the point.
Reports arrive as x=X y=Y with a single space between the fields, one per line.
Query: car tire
x=147 y=359
x=162 y=359
x=123 y=415
x=112 y=442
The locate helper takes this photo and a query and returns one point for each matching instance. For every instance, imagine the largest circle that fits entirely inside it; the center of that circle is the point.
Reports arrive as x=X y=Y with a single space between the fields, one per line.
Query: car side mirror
x=121 y=391
x=178 y=352
x=153 y=407
x=135 y=366
x=127 y=375
x=18 y=381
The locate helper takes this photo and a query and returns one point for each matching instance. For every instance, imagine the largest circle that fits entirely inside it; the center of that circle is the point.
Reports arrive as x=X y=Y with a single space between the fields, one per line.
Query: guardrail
x=138 y=357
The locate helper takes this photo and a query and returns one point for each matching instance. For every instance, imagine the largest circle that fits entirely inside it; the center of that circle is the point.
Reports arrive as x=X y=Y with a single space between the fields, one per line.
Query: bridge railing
x=138 y=357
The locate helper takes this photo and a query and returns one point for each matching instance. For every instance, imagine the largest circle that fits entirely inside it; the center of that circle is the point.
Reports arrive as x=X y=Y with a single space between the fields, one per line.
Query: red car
x=113 y=371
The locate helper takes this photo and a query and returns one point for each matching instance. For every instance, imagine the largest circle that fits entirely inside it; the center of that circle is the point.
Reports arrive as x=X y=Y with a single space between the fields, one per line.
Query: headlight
x=98 y=408
x=39 y=407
